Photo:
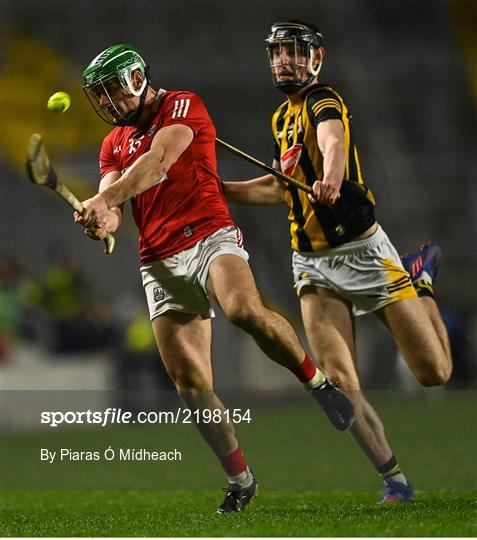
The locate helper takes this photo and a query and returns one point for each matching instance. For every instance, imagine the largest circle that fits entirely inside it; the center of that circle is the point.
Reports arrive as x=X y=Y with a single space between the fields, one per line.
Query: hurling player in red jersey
x=161 y=155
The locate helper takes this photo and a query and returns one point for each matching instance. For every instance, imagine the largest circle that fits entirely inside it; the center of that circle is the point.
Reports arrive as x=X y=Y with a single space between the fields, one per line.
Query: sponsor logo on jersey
x=187 y=231
x=159 y=293
x=117 y=149
x=289 y=133
x=291 y=130
x=289 y=159
x=134 y=144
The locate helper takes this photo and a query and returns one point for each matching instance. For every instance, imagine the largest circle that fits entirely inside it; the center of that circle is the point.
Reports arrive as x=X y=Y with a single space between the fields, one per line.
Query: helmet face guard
x=108 y=80
x=290 y=47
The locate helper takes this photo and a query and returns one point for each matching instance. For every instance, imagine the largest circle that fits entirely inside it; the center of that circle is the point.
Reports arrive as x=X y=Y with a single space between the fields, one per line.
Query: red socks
x=305 y=371
x=234 y=463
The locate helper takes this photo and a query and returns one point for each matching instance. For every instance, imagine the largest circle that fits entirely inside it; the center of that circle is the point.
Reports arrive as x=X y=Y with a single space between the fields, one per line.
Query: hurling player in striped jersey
x=160 y=155
x=343 y=262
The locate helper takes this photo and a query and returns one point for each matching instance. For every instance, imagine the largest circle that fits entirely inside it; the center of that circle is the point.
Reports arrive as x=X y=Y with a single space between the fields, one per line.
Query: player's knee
x=195 y=398
x=434 y=375
x=244 y=315
x=432 y=370
x=346 y=379
x=186 y=381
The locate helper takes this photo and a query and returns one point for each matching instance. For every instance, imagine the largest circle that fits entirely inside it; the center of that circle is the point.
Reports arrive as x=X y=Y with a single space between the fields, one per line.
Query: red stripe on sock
x=234 y=463
x=304 y=371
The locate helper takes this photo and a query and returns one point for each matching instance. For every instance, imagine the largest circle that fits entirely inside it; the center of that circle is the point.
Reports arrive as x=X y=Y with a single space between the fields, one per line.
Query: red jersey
x=188 y=204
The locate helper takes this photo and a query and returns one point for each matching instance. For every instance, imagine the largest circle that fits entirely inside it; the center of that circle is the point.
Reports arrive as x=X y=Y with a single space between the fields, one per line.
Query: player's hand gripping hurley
x=41 y=173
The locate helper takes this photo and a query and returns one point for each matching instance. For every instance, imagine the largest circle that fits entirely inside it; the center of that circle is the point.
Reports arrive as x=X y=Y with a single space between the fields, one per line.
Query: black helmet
x=304 y=38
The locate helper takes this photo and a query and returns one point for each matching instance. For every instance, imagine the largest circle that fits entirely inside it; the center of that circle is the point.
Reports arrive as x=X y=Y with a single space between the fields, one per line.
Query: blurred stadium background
x=72 y=318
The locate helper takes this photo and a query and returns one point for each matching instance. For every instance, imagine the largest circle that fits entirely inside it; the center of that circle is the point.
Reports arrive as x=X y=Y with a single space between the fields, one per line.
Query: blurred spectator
x=61 y=294
x=11 y=304
x=141 y=377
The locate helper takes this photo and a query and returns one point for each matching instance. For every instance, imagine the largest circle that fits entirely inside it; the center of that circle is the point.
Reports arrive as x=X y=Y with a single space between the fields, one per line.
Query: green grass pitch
x=270 y=514
x=313 y=481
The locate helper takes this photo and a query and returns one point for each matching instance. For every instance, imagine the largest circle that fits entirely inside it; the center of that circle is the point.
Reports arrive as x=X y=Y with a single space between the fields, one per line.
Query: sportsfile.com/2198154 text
x=112 y=415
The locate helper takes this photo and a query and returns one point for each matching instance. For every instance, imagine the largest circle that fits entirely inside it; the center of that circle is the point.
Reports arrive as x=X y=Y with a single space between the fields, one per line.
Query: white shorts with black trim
x=368 y=273
x=178 y=282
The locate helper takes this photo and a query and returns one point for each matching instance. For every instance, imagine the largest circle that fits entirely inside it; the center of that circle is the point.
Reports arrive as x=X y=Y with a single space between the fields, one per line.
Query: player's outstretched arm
x=261 y=191
x=149 y=169
x=330 y=136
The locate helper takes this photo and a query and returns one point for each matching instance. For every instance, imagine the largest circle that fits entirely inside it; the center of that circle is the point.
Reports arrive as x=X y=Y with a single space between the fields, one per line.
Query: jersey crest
x=290 y=159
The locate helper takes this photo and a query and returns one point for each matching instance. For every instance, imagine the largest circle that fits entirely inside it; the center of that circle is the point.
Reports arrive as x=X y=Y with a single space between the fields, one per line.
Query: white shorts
x=368 y=273
x=178 y=282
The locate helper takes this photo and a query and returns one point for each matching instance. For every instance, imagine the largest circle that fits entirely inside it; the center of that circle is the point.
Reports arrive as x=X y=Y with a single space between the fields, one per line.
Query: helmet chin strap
x=314 y=71
x=133 y=118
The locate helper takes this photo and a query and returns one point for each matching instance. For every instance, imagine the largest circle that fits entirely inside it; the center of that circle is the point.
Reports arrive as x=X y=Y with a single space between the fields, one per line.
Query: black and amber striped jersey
x=317 y=226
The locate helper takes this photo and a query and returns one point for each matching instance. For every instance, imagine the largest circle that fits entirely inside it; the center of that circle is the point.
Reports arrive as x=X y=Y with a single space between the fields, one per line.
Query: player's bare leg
x=421 y=337
x=416 y=323
x=430 y=307
x=329 y=327
x=184 y=344
x=231 y=283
